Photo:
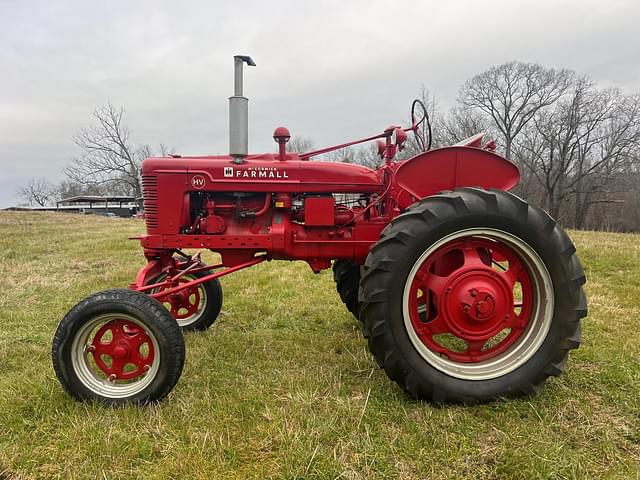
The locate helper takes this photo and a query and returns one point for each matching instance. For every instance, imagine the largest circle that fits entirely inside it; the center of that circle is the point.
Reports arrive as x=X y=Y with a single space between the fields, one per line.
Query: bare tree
x=579 y=148
x=300 y=145
x=38 y=191
x=461 y=123
x=512 y=93
x=369 y=156
x=108 y=158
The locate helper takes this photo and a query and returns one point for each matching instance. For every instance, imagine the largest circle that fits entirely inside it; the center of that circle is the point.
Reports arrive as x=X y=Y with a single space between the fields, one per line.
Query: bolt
x=473 y=292
x=112 y=377
x=466 y=307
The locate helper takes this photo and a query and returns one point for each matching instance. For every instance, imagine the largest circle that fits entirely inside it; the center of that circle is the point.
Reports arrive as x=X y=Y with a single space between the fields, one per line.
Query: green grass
x=283 y=386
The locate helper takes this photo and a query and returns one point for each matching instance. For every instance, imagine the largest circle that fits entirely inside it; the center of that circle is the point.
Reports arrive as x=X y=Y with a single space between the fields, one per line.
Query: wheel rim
x=115 y=356
x=186 y=306
x=478 y=304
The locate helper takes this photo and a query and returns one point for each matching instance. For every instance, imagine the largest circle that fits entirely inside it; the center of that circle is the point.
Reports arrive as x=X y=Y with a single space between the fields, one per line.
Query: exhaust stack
x=239 y=112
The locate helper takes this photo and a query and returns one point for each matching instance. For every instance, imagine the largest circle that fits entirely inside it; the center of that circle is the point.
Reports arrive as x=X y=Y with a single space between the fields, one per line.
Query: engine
x=214 y=213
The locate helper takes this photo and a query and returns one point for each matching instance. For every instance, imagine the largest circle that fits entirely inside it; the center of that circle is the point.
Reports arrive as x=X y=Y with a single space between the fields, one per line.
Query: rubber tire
x=213 y=290
x=148 y=311
x=392 y=257
x=346 y=275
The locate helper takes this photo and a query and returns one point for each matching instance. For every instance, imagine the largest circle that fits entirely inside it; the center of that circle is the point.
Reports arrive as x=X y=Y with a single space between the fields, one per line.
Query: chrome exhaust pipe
x=239 y=112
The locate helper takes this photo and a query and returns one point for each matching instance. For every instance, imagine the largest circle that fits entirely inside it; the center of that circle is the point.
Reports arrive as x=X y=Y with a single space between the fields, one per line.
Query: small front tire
x=118 y=347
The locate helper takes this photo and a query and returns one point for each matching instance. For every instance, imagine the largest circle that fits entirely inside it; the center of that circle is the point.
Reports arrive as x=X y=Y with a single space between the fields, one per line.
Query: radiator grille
x=150 y=200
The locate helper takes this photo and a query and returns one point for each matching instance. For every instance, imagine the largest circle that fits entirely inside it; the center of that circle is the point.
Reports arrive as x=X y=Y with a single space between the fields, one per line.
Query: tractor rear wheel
x=195 y=308
x=472 y=295
x=117 y=347
x=347 y=277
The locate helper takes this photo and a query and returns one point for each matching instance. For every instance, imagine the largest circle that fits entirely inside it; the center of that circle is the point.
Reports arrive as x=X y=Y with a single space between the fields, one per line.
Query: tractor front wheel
x=117 y=347
x=194 y=308
x=472 y=295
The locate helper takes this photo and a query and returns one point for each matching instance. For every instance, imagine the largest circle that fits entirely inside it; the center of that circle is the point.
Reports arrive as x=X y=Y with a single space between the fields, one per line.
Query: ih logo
x=228 y=171
x=198 y=181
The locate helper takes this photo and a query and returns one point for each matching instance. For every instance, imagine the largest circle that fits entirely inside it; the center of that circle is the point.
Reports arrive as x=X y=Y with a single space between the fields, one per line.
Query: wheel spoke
x=428 y=329
x=117 y=366
x=475 y=346
x=139 y=340
x=99 y=348
x=471 y=255
x=435 y=283
x=436 y=326
x=513 y=273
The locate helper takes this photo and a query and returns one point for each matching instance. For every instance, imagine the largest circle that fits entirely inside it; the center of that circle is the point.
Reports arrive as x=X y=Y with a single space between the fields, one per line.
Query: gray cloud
x=327 y=70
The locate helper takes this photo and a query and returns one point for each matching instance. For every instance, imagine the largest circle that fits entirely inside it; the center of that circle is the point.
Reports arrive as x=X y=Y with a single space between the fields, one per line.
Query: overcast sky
x=331 y=71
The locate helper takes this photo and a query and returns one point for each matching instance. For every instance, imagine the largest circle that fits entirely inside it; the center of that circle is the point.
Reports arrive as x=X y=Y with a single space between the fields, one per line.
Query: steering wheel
x=422 y=127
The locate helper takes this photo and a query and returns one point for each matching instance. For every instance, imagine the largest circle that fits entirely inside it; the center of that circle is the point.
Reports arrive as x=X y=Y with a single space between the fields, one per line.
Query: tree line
x=577 y=144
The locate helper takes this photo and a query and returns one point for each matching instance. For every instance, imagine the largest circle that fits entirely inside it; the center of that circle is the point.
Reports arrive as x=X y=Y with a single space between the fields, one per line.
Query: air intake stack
x=239 y=112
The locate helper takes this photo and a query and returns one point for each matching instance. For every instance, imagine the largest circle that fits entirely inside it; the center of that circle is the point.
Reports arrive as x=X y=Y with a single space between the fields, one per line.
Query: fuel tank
x=265 y=173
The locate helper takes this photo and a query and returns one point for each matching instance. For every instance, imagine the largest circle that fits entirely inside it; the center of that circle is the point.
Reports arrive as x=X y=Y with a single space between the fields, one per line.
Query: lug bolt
x=473 y=292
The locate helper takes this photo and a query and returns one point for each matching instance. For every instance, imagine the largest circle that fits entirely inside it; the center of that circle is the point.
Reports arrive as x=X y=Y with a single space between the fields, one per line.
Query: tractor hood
x=266 y=173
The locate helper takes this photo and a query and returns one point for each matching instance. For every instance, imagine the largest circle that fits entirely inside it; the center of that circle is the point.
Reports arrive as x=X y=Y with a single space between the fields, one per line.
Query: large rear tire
x=347 y=277
x=472 y=295
x=118 y=347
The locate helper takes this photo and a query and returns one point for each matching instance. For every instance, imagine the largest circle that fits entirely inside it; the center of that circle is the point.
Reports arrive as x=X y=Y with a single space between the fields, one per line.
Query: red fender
x=452 y=167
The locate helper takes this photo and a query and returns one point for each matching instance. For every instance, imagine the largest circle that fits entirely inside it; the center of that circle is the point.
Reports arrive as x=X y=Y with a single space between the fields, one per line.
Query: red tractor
x=465 y=292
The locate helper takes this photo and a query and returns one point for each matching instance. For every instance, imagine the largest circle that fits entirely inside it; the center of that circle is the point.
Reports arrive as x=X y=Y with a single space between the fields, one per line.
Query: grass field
x=283 y=386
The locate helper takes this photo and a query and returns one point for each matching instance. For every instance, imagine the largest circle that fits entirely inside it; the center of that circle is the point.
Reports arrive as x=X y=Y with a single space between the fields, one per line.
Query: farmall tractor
x=465 y=292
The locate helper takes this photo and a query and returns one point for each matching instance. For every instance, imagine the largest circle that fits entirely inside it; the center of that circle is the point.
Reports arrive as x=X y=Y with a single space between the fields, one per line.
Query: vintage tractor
x=466 y=293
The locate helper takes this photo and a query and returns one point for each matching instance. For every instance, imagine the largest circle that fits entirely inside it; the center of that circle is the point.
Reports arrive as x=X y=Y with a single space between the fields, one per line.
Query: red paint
x=464 y=296
x=319 y=211
x=123 y=348
x=169 y=287
x=283 y=206
x=281 y=135
x=452 y=167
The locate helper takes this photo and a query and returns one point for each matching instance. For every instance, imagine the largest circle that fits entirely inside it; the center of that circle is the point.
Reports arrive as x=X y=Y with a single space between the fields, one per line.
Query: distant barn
x=115 y=205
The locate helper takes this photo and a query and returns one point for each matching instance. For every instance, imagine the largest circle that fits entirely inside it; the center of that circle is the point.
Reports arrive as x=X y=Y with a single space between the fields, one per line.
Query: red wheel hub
x=467 y=290
x=184 y=303
x=128 y=350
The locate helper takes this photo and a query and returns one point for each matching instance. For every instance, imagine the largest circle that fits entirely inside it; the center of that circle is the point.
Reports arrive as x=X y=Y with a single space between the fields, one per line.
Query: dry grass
x=283 y=386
